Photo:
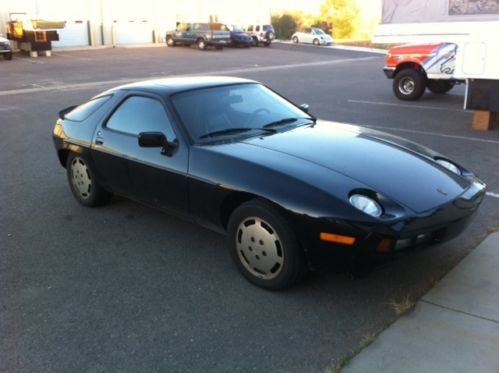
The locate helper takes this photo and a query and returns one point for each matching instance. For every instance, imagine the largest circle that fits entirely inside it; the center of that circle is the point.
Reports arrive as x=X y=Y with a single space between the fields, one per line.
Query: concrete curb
x=453 y=328
x=340 y=47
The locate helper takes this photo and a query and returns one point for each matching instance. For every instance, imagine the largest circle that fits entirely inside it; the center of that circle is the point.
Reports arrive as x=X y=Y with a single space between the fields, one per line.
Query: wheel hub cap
x=406 y=86
x=259 y=248
x=80 y=177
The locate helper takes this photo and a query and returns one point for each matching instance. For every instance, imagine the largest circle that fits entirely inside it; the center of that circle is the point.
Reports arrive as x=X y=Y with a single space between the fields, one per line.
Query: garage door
x=75 y=34
x=133 y=32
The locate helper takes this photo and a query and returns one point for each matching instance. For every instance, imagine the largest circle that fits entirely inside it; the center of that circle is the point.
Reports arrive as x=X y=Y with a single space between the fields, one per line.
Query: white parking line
x=490 y=194
x=76 y=86
x=465 y=138
x=403 y=105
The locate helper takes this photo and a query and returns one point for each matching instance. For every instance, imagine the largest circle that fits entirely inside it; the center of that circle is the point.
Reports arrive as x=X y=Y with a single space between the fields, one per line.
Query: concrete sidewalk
x=453 y=328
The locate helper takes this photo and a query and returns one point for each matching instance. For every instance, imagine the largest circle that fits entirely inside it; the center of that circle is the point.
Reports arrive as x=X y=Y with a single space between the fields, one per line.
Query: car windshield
x=318 y=31
x=234 y=111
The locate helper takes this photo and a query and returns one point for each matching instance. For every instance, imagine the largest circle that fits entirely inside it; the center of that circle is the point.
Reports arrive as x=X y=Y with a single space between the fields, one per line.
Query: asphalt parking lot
x=127 y=288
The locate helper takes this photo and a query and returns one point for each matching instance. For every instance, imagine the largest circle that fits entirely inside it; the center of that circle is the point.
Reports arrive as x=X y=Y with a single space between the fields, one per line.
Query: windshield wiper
x=284 y=121
x=233 y=131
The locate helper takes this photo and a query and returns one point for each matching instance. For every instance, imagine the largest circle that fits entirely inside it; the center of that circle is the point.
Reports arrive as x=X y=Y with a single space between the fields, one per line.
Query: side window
x=141 y=114
x=257 y=28
x=250 y=28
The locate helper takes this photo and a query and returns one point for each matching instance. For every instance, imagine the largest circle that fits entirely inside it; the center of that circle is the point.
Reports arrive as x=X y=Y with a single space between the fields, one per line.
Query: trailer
x=471 y=25
x=34 y=36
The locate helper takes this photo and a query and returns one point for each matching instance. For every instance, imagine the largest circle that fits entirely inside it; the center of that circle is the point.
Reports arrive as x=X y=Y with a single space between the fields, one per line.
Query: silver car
x=312 y=35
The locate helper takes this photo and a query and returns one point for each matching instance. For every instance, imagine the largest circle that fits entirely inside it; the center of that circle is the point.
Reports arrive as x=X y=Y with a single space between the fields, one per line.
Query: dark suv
x=261 y=34
x=5 y=48
x=201 y=34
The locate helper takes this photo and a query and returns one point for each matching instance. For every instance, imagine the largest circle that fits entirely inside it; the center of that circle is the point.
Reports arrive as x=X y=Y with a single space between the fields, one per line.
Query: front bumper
x=389 y=72
x=382 y=239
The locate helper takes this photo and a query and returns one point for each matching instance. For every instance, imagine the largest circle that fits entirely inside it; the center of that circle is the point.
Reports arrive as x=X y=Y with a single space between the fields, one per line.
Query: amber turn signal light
x=337 y=238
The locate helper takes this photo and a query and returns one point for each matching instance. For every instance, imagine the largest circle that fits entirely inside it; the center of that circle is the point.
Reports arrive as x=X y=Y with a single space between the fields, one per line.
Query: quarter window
x=83 y=111
x=141 y=114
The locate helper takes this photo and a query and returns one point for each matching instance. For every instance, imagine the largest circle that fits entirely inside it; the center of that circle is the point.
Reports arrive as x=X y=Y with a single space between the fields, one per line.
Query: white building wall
x=146 y=17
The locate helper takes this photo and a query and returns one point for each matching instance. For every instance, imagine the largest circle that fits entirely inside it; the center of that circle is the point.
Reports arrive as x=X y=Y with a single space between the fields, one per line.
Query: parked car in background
x=201 y=34
x=5 y=48
x=238 y=37
x=414 y=68
x=264 y=34
x=312 y=35
x=288 y=190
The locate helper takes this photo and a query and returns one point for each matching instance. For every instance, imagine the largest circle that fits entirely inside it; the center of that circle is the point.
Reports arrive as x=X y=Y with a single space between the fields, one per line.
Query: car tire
x=170 y=42
x=440 y=86
x=316 y=42
x=409 y=84
x=267 y=43
x=295 y=39
x=201 y=44
x=8 y=56
x=264 y=247
x=255 y=41
x=83 y=184
x=219 y=47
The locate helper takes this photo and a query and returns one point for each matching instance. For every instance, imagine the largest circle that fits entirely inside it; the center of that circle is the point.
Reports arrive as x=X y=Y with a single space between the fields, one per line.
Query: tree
x=284 y=25
x=342 y=15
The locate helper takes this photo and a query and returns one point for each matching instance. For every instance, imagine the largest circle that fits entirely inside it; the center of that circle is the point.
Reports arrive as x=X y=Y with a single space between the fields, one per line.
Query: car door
x=308 y=36
x=182 y=32
x=153 y=178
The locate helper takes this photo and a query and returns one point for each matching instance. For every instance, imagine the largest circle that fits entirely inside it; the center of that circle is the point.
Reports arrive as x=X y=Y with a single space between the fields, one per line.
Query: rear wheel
x=316 y=42
x=264 y=247
x=83 y=183
x=255 y=41
x=440 y=86
x=170 y=42
x=295 y=39
x=409 y=84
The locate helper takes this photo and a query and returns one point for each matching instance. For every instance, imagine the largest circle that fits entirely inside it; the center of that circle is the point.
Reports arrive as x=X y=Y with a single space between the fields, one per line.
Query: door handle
x=99 y=140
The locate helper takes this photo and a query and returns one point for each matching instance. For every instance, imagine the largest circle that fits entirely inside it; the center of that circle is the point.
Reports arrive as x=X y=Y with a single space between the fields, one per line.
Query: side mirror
x=152 y=140
x=157 y=140
x=304 y=107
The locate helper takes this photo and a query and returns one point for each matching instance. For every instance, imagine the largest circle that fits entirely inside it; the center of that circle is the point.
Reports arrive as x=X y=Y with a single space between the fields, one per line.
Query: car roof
x=170 y=86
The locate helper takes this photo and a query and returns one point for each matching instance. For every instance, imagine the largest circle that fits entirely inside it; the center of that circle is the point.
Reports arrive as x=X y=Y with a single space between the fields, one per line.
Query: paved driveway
x=128 y=288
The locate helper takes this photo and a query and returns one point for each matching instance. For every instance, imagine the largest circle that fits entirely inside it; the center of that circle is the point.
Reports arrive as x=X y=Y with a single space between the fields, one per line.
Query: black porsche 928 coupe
x=286 y=188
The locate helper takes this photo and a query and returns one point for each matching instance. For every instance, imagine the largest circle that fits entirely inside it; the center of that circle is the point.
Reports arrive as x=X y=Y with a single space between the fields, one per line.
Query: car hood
x=4 y=40
x=414 y=48
x=397 y=168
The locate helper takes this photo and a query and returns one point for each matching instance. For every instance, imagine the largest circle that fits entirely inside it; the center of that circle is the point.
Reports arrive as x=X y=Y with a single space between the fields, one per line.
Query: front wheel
x=8 y=56
x=83 y=183
x=201 y=44
x=440 y=86
x=409 y=84
x=295 y=39
x=264 y=247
